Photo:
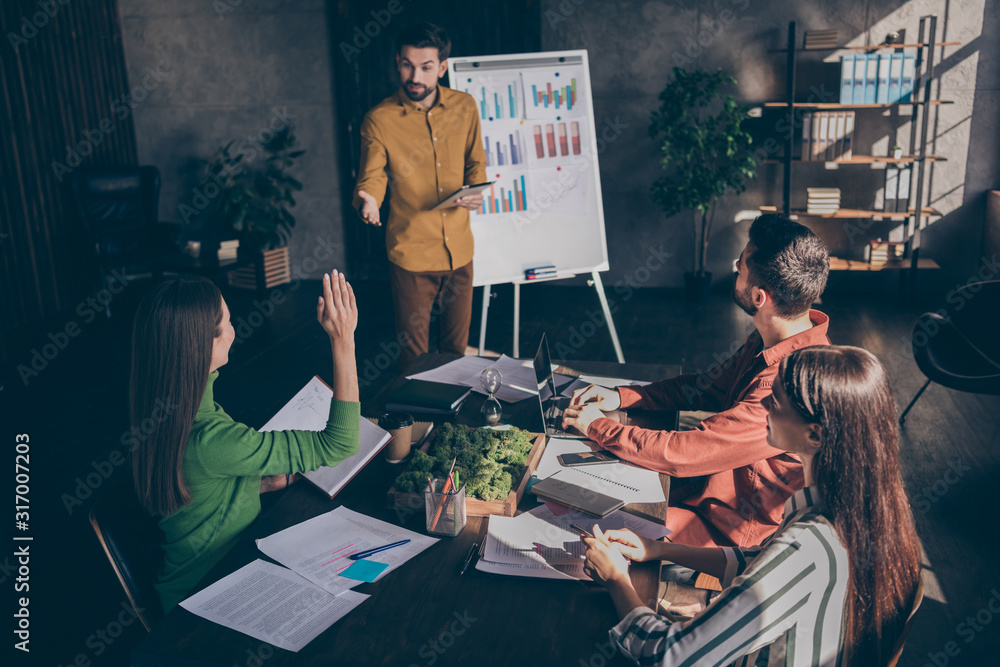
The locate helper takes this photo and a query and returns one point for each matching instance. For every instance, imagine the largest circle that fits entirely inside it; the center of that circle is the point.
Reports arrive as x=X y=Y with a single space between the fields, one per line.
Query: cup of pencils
x=444 y=505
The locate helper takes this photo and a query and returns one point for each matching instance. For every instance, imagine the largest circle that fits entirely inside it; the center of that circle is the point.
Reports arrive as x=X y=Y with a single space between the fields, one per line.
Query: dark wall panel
x=63 y=70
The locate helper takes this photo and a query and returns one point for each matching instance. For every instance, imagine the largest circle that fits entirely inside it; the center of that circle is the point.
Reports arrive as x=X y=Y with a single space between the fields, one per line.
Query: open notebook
x=308 y=411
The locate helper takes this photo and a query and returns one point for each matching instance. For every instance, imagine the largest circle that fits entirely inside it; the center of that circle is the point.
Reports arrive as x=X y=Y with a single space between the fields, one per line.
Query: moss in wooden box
x=487 y=461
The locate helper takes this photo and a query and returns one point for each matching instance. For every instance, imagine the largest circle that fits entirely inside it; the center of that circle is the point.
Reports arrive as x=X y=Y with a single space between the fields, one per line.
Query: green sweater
x=223 y=464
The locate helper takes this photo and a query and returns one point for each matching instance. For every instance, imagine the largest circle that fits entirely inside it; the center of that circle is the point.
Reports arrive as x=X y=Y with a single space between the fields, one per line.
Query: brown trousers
x=417 y=297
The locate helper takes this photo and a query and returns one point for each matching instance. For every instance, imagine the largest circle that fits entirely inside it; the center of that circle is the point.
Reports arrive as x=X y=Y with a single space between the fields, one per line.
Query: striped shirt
x=782 y=603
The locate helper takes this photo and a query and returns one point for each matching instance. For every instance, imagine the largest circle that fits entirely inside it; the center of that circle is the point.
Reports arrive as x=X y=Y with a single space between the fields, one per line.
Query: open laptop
x=550 y=402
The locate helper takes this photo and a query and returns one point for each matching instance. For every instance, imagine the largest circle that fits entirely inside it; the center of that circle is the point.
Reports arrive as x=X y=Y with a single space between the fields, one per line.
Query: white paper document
x=308 y=411
x=540 y=536
x=518 y=379
x=611 y=383
x=455 y=372
x=318 y=549
x=273 y=604
x=624 y=481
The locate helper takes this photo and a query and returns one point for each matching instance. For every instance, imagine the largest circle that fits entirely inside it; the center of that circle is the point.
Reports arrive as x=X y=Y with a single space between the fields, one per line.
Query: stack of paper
x=822 y=201
x=542 y=544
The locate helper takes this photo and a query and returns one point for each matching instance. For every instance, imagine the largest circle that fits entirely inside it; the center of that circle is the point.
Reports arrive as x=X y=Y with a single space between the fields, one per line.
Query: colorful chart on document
x=555 y=143
x=509 y=194
x=505 y=143
x=497 y=97
x=552 y=94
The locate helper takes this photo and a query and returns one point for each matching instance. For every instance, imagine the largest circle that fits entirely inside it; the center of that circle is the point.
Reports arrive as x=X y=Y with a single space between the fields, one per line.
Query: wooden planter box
x=276 y=270
x=473 y=506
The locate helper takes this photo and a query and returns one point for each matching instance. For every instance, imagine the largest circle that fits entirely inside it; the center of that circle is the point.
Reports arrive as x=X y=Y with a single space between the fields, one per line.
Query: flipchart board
x=545 y=208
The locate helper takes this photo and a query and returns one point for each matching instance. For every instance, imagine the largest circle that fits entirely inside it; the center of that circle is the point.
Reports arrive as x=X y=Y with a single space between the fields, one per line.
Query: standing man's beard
x=744 y=301
x=420 y=93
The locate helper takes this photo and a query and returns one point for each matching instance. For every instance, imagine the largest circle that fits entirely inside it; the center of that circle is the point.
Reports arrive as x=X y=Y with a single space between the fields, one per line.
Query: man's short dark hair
x=789 y=261
x=422 y=35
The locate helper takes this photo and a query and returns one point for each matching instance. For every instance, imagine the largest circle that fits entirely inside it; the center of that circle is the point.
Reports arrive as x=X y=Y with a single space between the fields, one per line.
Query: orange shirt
x=423 y=155
x=748 y=481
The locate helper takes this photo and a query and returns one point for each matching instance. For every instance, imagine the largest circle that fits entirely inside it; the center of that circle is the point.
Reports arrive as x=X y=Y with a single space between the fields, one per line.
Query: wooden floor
x=75 y=412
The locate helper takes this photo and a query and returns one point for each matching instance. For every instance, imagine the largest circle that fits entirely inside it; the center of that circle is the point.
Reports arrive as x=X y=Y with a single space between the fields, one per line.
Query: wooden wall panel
x=60 y=73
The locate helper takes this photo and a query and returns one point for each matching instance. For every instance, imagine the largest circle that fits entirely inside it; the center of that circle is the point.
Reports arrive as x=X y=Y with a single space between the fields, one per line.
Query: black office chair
x=131 y=540
x=118 y=206
x=961 y=350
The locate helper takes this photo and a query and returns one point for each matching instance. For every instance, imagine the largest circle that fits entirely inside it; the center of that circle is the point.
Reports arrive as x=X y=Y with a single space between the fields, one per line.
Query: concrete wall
x=227 y=73
x=634 y=45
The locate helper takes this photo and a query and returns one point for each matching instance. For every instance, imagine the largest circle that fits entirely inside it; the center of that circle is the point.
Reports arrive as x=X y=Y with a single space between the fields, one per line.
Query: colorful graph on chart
x=560 y=97
x=503 y=148
x=555 y=140
x=501 y=199
x=495 y=99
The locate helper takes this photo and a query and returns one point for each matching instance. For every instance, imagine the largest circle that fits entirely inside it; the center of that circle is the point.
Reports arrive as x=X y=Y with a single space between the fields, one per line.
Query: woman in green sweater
x=197 y=469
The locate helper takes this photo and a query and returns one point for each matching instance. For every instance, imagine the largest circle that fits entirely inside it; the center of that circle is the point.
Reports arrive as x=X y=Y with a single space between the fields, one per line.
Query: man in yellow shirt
x=425 y=142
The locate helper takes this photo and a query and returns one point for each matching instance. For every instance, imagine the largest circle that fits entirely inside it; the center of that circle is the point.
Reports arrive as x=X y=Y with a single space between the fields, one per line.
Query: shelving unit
x=922 y=101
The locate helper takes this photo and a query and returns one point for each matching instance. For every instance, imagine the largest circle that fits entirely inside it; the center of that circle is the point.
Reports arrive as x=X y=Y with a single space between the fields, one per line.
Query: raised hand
x=337 y=309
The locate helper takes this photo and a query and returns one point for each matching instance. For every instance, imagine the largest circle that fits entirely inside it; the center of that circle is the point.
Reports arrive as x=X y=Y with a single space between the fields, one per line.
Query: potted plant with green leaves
x=254 y=203
x=705 y=151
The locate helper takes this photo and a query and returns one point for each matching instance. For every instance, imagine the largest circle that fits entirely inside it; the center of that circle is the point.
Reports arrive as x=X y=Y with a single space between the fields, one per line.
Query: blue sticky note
x=364 y=570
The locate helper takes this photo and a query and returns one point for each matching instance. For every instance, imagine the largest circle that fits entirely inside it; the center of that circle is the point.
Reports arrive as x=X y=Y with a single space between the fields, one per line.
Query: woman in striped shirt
x=835 y=583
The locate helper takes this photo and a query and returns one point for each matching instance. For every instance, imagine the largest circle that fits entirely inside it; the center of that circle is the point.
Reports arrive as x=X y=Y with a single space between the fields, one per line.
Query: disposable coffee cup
x=400 y=427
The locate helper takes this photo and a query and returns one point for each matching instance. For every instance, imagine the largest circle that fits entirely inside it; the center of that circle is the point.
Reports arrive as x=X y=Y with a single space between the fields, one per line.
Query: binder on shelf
x=860 y=65
x=895 y=74
x=838 y=146
x=806 y=136
x=882 y=94
x=814 y=141
x=906 y=80
x=824 y=137
x=846 y=79
x=871 y=79
x=848 y=135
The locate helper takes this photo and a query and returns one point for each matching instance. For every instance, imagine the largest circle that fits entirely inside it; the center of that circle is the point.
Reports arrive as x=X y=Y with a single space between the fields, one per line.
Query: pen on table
x=369 y=552
x=468 y=559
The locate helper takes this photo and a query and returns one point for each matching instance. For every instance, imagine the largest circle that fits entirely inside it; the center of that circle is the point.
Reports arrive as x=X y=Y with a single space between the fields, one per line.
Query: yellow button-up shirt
x=423 y=155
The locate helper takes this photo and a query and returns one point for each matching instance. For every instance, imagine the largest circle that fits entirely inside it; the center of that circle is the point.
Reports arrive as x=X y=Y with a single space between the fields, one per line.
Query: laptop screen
x=544 y=378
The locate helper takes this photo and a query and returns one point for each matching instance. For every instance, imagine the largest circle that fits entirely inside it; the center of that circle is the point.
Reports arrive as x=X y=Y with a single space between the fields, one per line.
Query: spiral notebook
x=624 y=481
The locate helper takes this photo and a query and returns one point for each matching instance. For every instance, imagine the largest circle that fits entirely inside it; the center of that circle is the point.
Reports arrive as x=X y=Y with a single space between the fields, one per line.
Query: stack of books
x=227 y=249
x=424 y=396
x=277 y=271
x=822 y=201
x=827 y=135
x=820 y=39
x=884 y=78
x=880 y=252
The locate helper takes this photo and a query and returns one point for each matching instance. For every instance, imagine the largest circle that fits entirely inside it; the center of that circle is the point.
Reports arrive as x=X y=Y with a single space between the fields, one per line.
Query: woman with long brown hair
x=835 y=583
x=195 y=468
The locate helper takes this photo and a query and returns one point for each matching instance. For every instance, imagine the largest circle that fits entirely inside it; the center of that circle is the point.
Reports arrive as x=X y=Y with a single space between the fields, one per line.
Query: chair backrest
x=975 y=310
x=117 y=197
x=917 y=599
x=131 y=540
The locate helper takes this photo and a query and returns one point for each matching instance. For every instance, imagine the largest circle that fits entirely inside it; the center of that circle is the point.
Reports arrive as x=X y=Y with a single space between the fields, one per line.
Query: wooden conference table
x=424 y=613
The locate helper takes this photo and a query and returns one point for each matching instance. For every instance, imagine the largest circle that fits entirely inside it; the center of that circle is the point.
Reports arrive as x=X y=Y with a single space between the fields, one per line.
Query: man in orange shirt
x=425 y=142
x=740 y=500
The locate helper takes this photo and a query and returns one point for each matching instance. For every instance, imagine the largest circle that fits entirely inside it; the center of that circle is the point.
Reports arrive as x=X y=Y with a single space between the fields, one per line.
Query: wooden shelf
x=838 y=264
x=868 y=159
x=853 y=213
x=836 y=105
x=874 y=47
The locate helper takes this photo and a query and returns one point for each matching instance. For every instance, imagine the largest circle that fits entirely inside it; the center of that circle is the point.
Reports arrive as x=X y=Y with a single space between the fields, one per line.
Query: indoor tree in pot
x=706 y=152
x=253 y=203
